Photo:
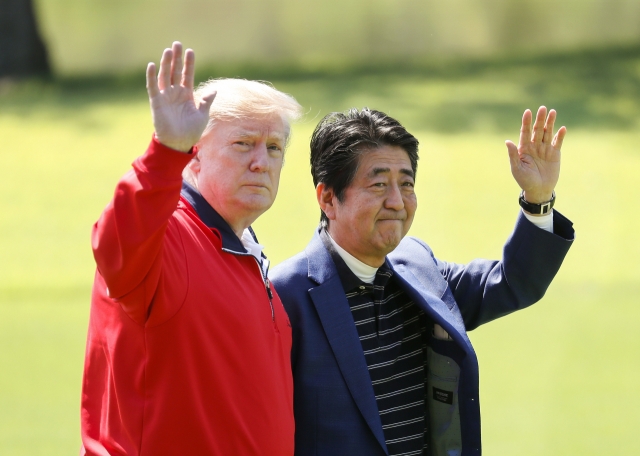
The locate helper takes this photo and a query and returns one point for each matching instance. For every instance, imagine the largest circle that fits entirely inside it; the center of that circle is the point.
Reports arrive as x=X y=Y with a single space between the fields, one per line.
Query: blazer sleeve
x=485 y=290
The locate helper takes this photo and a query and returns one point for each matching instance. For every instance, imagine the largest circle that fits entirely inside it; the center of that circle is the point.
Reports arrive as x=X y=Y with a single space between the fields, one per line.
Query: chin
x=256 y=204
x=391 y=241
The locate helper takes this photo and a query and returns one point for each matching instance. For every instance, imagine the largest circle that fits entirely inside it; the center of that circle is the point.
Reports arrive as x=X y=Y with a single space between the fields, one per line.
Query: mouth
x=256 y=186
x=392 y=216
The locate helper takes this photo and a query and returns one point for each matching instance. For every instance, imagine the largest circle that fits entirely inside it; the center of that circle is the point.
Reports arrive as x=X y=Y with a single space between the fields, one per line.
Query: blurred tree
x=22 y=51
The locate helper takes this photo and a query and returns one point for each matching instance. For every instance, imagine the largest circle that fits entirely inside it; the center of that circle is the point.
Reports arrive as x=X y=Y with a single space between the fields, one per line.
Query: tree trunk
x=22 y=51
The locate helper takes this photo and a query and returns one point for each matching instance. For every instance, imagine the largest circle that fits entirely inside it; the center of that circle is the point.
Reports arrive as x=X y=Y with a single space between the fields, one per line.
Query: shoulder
x=415 y=255
x=411 y=247
x=291 y=271
x=291 y=282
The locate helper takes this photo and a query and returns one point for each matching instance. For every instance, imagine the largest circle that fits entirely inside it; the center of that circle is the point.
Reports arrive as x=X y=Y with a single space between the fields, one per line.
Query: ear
x=326 y=200
x=194 y=165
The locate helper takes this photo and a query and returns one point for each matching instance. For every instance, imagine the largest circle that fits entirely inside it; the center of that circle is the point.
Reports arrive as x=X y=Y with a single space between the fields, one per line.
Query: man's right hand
x=178 y=119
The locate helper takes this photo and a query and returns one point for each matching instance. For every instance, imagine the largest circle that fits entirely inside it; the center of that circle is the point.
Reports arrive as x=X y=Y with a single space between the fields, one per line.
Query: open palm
x=535 y=162
x=178 y=118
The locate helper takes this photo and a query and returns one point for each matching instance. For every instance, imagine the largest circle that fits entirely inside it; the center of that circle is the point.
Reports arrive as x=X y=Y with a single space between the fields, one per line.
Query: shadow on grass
x=591 y=89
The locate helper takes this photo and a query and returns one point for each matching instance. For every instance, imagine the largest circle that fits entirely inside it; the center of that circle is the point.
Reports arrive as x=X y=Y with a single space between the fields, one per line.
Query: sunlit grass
x=556 y=379
x=41 y=335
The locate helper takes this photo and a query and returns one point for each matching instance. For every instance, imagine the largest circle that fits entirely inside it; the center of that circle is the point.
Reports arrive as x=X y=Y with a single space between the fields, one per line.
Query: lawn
x=556 y=379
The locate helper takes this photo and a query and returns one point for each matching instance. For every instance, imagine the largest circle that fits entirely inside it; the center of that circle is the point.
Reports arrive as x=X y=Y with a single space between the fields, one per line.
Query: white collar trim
x=254 y=249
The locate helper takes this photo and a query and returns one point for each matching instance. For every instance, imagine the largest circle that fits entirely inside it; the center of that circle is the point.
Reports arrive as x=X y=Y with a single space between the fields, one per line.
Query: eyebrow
x=375 y=171
x=253 y=134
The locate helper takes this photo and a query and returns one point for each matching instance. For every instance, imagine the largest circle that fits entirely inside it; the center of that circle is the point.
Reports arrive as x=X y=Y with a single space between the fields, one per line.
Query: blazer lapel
x=335 y=315
x=434 y=306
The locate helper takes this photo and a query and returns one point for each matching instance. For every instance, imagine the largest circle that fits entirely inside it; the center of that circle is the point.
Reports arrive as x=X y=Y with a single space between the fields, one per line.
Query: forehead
x=383 y=159
x=269 y=126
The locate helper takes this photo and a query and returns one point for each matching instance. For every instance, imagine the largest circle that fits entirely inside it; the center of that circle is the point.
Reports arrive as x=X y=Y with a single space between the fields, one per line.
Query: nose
x=394 y=199
x=259 y=158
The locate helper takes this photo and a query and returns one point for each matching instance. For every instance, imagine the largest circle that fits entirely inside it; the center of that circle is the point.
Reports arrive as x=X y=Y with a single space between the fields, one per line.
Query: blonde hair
x=241 y=98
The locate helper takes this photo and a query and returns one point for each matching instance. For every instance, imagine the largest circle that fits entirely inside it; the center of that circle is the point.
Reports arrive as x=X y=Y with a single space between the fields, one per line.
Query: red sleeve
x=128 y=238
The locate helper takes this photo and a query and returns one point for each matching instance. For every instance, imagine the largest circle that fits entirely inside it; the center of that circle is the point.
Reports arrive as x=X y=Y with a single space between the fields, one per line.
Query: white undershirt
x=542 y=221
x=367 y=273
x=254 y=249
x=362 y=271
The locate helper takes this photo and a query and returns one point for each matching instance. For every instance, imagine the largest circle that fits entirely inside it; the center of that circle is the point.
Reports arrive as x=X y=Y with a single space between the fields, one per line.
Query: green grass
x=559 y=378
x=41 y=335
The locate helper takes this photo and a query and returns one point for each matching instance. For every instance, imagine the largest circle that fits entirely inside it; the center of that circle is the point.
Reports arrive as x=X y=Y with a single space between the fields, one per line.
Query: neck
x=237 y=222
x=372 y=261
x=237 y=226
x=361 y=270
x=238 y=232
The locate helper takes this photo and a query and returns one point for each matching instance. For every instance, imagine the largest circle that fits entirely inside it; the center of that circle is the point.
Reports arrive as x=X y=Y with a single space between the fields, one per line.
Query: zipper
x=267 y=286
x=265 y=279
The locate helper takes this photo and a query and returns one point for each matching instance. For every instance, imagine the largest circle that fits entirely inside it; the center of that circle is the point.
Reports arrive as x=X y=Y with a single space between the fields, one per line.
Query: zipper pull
x=268 y=286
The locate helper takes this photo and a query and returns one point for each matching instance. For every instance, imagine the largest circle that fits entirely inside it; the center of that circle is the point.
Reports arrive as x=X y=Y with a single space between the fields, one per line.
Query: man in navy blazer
x=381 y=360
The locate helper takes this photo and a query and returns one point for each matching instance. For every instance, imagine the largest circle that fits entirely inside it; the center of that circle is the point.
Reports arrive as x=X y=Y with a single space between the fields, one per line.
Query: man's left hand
x=535 y=162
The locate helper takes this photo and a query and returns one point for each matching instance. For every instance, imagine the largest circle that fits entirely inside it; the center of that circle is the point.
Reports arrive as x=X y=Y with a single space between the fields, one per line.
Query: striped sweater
x=392 y=332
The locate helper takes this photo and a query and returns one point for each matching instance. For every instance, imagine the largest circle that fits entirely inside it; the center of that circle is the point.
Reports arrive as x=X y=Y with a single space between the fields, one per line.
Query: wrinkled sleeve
x=128 y=238
x=487 y=289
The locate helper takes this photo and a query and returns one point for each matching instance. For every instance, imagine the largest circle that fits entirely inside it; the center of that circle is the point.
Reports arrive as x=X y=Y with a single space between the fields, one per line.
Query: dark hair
x=341 y=138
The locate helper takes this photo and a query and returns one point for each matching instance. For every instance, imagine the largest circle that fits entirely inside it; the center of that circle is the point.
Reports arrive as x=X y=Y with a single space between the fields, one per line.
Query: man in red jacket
x=188 y=350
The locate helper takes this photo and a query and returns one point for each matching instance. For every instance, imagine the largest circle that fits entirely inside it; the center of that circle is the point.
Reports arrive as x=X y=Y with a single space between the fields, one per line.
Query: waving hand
x=535 y=162
x=178 y=118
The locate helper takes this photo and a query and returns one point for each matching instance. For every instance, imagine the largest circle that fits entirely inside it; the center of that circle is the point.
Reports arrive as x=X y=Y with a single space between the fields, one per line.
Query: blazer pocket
x=443 y=377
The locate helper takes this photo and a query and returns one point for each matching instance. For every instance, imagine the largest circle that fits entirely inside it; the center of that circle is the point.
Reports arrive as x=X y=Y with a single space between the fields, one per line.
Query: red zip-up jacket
x=187 y=353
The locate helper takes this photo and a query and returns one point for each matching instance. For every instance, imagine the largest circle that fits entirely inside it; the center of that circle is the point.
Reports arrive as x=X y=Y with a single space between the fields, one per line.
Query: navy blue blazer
x=334 y=404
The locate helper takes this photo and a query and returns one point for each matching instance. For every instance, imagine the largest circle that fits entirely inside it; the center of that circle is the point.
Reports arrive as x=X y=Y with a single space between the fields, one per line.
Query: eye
x=275 y=150
x=408 y=184
x=242 y=146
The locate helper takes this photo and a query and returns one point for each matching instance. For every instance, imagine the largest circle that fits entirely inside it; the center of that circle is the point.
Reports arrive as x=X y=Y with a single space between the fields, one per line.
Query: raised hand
x=535 y=162
x=178 y=119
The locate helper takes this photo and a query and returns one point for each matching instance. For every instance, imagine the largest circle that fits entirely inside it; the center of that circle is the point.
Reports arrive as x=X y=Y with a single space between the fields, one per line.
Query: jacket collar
x=211 y=218
x=321 y=268
x=347 y=277
x=333 y=309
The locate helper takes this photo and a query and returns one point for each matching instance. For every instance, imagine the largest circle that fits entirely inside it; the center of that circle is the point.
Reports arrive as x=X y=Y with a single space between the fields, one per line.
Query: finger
x=548 y=127
x=164 y=75
x=188 y=70
x=176 y=62
x=538 y=126
x=205 y=103
x=525 y=130
x=514 y=157
x=152 y=82
x=559 y=138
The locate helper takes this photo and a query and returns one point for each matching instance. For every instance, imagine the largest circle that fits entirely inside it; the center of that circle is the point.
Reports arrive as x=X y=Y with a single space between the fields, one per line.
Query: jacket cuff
x=534 y=255
x=562 y=227
x=164 y=162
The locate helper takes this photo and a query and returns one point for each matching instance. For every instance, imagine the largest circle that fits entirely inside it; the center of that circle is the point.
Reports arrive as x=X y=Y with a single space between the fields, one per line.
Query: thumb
x=512 y=149
x=205 y=103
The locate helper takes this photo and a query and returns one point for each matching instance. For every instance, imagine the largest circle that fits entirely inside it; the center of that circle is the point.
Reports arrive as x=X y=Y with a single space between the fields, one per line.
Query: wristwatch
x=537 y=209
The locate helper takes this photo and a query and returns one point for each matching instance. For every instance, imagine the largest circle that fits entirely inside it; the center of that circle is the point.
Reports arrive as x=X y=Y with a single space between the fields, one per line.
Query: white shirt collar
x=254 y=249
